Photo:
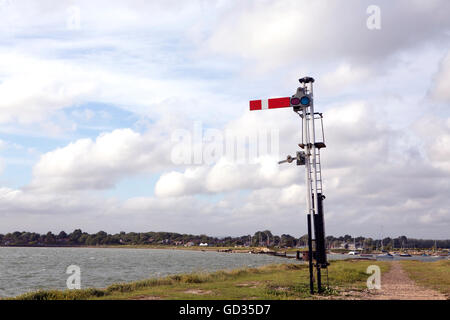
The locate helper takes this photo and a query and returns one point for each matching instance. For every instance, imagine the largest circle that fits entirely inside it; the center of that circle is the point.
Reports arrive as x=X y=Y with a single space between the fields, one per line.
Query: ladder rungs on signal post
x=302 y=103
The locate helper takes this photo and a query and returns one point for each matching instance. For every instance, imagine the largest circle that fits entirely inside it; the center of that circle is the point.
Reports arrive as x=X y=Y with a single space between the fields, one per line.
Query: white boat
x=405 y=255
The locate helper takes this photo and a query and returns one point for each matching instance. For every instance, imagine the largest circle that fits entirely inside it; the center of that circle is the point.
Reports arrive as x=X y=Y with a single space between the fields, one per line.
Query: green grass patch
x=435 y=275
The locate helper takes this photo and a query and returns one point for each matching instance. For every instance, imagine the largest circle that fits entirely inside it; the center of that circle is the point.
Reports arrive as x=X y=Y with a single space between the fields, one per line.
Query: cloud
x=372 y=174
x=271 y=34
x=435 y=135
x=33 y=89
x=98 y=164
x=367 y=181
x=45 y=73
x=440 y=90
x=225 y=176
x=49 y=204
x=344 y=75
x=353 y=136
x=48 y=16
x=178 y=184
x=37 y=88
x=169 y=63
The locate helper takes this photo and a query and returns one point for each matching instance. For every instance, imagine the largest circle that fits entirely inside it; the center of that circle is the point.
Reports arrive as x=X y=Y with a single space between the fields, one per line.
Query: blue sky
x=91 y=94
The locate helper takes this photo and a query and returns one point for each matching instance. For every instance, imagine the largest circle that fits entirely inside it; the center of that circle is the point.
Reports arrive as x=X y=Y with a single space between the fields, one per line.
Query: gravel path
x=396 y=285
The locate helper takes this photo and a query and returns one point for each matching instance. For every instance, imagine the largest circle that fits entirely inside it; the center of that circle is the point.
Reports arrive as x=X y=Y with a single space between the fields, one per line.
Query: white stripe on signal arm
x=265 y=104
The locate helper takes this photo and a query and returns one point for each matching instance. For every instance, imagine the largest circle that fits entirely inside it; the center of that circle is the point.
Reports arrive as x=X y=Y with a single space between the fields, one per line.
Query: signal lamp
x=305 y=101
x=295 y=101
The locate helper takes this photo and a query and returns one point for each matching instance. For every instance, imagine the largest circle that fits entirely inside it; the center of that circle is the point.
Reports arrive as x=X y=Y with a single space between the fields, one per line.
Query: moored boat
x=385 y=256
x=405 y=255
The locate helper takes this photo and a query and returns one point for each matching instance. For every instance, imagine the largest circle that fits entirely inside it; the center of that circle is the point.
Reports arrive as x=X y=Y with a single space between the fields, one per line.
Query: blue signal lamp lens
x=305 y=100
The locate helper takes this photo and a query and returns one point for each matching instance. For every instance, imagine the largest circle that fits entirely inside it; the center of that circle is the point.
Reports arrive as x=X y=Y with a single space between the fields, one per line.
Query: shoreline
x=253 y=282
x=266 y=282
x=347 y=281
x=193 y=248
x=253 y=250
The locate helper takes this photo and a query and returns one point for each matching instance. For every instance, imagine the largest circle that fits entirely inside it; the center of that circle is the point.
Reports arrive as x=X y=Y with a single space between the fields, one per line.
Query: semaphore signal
x=302 y=103
x=274 y=103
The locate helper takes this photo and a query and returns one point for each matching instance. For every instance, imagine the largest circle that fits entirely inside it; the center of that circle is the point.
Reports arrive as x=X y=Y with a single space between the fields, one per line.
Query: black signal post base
x=310 y=256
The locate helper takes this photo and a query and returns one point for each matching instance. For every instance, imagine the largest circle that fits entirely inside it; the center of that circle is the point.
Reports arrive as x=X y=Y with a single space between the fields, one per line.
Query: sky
x=133 y=116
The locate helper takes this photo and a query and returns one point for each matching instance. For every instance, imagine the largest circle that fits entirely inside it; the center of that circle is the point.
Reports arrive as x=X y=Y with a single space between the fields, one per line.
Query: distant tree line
x=387 y=243
x=260 y=238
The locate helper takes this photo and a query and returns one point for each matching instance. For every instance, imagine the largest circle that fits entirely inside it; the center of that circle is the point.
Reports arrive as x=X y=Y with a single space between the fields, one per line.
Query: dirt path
x=396 y=285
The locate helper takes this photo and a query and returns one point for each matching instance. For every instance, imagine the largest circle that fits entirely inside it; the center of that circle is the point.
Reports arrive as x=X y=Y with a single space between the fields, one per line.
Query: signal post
x=302 y=103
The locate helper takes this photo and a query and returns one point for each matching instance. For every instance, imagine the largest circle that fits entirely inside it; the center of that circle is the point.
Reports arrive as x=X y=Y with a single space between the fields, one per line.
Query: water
x=27 y=269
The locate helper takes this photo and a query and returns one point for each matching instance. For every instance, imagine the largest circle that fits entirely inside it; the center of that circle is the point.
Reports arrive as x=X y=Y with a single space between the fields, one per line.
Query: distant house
x=203 y=244
x=189 y=244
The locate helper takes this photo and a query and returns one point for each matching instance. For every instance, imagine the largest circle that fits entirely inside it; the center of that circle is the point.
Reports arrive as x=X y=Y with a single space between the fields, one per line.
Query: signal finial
x=306 y=80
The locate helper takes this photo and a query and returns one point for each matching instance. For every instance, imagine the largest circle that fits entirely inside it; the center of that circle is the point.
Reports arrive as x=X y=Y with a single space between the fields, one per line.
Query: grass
x=435 y=275
x=282 y=281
